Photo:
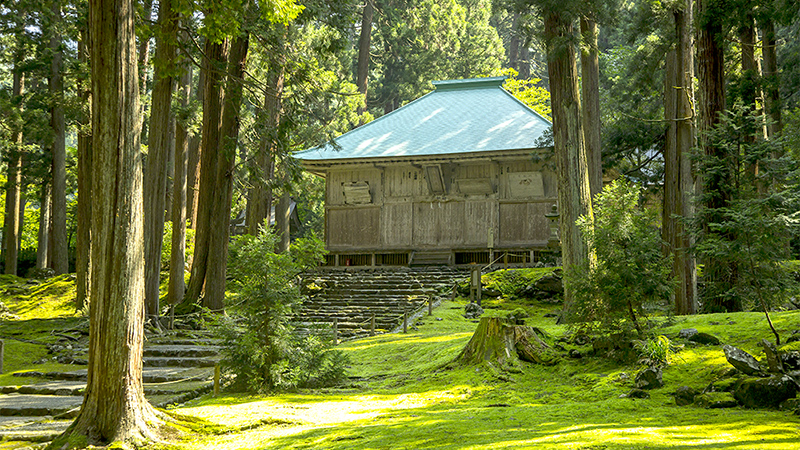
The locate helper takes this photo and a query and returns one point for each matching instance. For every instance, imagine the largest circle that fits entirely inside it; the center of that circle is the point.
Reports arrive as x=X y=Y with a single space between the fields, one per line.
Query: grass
x=405 y=393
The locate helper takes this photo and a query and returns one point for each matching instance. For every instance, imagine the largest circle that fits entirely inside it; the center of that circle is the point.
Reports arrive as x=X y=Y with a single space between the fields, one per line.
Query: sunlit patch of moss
x=54 y=297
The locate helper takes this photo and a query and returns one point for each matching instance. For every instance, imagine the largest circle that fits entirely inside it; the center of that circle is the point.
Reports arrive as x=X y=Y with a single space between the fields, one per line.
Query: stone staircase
x=352 y=297
x=176 y=369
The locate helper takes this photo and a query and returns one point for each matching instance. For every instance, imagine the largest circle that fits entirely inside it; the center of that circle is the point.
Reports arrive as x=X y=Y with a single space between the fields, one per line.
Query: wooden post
x=372 y=325
x=335 y=331
x=216 y=379
x=505 y=260
x=171 y=317
x=405 y=321
x=2 y=351
x=430 y=305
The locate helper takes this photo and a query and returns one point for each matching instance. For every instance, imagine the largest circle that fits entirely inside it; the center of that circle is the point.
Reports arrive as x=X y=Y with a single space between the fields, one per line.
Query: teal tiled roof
x=459 y=116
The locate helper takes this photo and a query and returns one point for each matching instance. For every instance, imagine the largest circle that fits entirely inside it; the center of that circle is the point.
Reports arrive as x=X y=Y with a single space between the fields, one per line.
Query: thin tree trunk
x=749 y=88
x=514 y=43
x=14 y=205
x=259 y=201
x=83 y=244
x=282 y=221
x=362 y=77
x=114 y=407
x=523 y=61
x=590 y=102
x=193 y=165
x=177 y=284
x=220 y=219
x=217 y=56
x=60 y=255
x=574 y=195
x=155 y=174
x=43 y=241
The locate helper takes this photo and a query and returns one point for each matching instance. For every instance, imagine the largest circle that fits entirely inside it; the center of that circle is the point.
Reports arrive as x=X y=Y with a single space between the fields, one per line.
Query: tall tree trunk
x=677 y=164
x=772 y=99
x=524 y=61
x=362 y=77
x=155 y=174
x=259 y=200
x=216 y=55
x=114 y=407
x=193 y=164
x=718 y=275
x=219 y=222
x=59 y=252
x=574 y=195
x=590 y=102
x=749 y=88
x=14 y=205
x=83 y=241
x=43 y=238
x=177 y=284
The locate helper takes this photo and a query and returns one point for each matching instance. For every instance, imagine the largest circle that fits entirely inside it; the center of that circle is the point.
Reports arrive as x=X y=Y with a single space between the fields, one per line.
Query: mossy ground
x=404 y=394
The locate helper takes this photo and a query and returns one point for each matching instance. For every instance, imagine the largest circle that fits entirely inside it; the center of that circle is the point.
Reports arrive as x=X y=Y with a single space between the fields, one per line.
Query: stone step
x=149 y=374
x=186 y=361
x=60 y=388
x=196 y=351
x=31 y=429
x=37 y=405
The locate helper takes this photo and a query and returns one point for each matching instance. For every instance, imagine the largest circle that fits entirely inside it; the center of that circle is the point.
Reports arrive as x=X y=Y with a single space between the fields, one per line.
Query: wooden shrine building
x=454 y=177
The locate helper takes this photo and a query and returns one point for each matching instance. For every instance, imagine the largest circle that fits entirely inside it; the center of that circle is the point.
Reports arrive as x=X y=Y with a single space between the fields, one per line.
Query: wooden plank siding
x=497 y=203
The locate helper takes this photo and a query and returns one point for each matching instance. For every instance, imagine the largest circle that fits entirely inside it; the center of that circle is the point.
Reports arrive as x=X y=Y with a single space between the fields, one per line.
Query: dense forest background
x=230 y=89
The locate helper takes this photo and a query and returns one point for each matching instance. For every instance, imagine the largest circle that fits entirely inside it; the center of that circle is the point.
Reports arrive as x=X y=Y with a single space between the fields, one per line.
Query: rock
x=686 y=333
x=490 y=292
x=705 y=339
x=684 y=395
x=792 y=404
x=473 y=310
x=649 y=378
x=638 y=393
x=550 y=284
x=575 y=354
x=790 y=360
x=764 y=392
x=742 y=360
x=715 y=400
x=774 y=363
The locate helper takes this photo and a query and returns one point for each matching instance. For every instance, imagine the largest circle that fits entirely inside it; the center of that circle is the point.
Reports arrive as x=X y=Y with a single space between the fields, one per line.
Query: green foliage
x=166 y=248
x=630 y=272
x=743 y=241
x=528 y=92
x=259 y=343
x=655 y=352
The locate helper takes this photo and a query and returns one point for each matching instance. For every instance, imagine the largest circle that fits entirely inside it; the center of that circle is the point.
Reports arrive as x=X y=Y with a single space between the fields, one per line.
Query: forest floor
x=404 y=393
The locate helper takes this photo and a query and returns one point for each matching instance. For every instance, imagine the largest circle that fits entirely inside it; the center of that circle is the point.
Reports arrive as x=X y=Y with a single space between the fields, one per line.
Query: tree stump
x=500 y=340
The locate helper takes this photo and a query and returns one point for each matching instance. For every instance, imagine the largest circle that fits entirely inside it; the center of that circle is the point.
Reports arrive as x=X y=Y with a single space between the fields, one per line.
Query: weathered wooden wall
x=481 y=204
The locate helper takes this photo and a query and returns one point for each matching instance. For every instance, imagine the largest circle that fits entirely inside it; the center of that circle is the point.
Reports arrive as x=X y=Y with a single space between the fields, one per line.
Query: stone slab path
x=173 y=373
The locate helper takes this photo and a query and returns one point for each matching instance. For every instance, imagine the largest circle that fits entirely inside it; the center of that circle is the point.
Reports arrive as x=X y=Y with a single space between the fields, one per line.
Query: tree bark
x=259 y=200
x=590 y=102
x=155 y=174
x=678 y=184
x=177 y=284
x=114 y=408
x=83 y=240
x=193 y=164
x=14 y=205
x=749 y=88
x=282 y=221
x=574 y=195
x=219 y=222
x=216 y=57
x=362 y=77
x=717 y=185
x=43 y=238
x=60 y=255
x=514 y=43
x=772 y=100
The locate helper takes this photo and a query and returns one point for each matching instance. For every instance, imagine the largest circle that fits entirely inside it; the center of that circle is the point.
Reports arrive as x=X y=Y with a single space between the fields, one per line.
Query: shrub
x=655 y=352
x=630 y=271
x=259 y=343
